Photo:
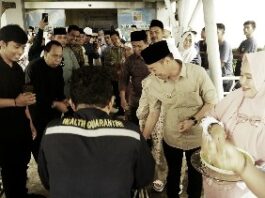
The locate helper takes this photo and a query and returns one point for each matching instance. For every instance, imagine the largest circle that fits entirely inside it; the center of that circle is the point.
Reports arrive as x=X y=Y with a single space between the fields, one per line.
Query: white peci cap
x=88 y=31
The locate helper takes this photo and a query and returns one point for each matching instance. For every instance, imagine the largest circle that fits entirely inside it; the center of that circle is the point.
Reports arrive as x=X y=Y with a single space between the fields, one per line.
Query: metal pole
x=1 y=8
x=172 y=20
x=184 y=9
x=181 y=9
x=212 y=46
x=195 y=13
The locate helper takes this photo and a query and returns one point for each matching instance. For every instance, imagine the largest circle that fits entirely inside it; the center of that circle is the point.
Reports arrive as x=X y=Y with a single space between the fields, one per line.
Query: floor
x=34 y=184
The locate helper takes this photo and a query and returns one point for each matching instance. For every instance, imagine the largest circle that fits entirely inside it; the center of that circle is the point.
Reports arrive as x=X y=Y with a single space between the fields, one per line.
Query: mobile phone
x=28 y=88
x=45 y=17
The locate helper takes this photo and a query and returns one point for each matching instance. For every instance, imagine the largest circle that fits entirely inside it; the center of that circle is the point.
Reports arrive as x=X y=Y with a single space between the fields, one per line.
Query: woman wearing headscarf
x=243 y=115
x=187 y=48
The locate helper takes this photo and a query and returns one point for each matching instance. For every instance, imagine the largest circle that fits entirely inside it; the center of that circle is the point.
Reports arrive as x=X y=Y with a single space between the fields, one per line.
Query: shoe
x=158 y=185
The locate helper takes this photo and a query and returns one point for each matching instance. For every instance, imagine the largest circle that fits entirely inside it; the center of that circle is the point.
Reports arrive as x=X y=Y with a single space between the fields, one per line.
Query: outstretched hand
x=25 y=99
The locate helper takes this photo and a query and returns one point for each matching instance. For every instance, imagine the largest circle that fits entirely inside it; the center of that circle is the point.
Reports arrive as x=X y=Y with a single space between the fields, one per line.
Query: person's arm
x=145 y=166
x=143 y=108
x=150 y=123
x=251 y=175
x=7 y=102
x=37 y=41
x=254 y=178
x=124 y=103
x=153 y=116
x=32 y=127
x=188 y=123
x=22 y=100
x=123 y=83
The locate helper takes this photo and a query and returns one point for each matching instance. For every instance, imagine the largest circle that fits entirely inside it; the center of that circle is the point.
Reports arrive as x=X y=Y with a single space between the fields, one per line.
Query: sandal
x=158 y=185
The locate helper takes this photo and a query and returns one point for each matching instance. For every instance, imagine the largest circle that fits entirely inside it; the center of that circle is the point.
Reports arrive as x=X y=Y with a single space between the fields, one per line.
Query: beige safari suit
x=181 y=99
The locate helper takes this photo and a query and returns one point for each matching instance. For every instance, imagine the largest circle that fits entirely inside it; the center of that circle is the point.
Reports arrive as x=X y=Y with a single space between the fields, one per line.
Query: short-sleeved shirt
x=13 y=120
x=182 y=99
x=247 y=46
x=226 y=56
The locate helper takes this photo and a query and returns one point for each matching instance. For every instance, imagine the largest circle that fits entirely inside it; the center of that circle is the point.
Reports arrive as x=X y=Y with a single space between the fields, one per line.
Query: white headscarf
x=187 y=54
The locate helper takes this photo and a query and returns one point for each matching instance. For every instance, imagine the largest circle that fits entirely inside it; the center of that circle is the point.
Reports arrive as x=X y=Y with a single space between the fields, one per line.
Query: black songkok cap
x=138 y=36
x=156 y=23
x=59 y=31
x=107 y=32
x=155 y=52
x=81 y=30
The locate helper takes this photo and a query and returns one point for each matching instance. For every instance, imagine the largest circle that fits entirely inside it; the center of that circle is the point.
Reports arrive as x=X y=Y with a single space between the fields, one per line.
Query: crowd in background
x=144 y=94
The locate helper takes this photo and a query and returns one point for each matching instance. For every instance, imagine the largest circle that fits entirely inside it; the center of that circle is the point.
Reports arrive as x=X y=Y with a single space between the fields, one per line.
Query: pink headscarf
x=244 y=118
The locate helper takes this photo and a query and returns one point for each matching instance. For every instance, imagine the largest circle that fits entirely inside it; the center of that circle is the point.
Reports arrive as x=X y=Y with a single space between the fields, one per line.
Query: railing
x=233 y=78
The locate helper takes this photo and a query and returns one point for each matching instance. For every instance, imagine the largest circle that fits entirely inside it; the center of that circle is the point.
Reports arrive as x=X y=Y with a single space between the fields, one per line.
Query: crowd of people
x=104 y=117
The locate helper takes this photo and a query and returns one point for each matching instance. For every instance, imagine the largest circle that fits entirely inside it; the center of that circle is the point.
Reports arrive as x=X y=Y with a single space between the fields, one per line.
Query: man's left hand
x=185 y=126
x=60 y=106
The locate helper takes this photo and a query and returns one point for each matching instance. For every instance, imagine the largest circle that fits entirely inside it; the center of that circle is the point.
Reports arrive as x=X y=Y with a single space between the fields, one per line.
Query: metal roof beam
x=84 y=5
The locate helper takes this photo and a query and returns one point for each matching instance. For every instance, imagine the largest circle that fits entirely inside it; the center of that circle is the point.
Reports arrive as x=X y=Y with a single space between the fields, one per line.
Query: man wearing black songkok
x=185 y=93
x=156 y=30
x=136 y=70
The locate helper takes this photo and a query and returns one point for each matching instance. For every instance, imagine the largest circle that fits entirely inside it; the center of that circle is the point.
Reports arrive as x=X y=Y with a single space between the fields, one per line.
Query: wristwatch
x=194 y=120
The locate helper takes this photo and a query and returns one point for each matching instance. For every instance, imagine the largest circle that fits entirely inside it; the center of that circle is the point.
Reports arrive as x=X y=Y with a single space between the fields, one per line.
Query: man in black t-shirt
x=15 y=134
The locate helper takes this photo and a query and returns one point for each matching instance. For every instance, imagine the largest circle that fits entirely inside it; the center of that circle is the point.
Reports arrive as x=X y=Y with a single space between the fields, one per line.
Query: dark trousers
x=227 y=84
x=174 y=162
x=116 y=93
x=14 y=161
x=40 y=127
x=238 y=68
x=130 y=115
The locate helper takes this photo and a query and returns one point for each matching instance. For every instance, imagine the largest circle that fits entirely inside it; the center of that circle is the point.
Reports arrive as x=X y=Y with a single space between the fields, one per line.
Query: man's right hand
x=124 y=104
x=25 y=99
x=42 y=24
